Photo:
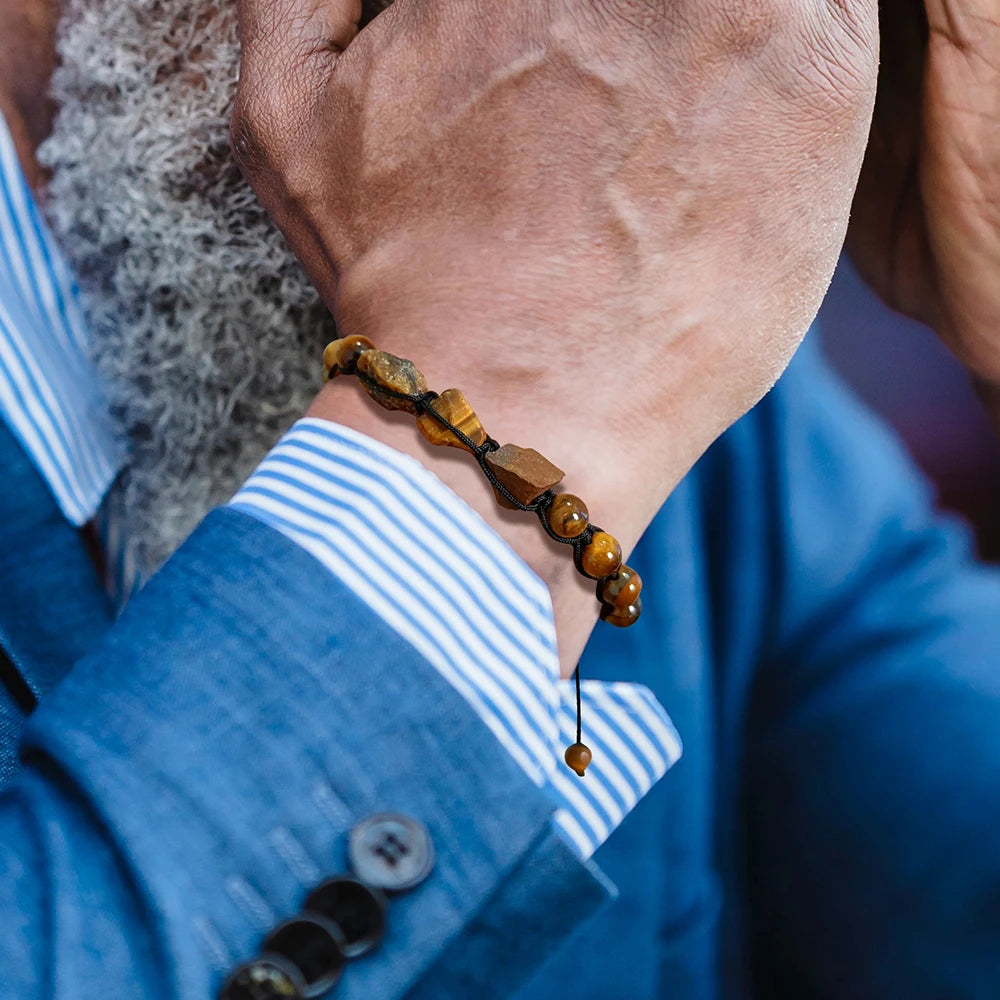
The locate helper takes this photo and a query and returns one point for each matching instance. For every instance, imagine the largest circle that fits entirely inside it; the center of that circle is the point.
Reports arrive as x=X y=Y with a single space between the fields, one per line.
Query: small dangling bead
x=578 y=758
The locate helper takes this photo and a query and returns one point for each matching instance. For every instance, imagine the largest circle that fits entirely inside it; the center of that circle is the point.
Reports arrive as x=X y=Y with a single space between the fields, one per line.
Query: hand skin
x=925 y=231
x=608 y=224
x=27 y=56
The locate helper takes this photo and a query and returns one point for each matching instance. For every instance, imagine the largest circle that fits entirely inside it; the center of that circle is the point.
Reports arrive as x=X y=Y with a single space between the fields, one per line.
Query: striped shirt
x=411 y=549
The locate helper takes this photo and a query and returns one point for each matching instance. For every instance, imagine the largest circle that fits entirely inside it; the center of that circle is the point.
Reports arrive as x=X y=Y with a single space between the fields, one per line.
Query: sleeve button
x=267 y=978
x=315 y=946
x=391 y=852
x=357 y=909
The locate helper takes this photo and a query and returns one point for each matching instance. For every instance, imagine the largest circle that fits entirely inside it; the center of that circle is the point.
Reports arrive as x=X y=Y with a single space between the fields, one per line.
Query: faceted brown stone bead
x=622 y=616
x=524 y=472
x=342 y=355
x=622 y=590
x=395 y=374
x=602 y=556
x=568 y=516
x=578 y=758
x=454 y=407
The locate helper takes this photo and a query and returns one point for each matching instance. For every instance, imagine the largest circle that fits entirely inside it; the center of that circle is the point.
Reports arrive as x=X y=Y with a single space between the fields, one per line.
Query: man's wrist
x=625 y=413
x=573 y=597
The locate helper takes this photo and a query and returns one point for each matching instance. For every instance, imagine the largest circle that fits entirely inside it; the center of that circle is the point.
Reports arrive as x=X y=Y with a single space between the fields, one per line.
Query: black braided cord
x=539 y=506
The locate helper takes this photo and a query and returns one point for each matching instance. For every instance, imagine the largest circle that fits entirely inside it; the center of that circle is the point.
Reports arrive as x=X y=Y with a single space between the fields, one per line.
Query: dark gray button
x=314 y=945
x=357 y=909
x=391 y=852
x=267 y=978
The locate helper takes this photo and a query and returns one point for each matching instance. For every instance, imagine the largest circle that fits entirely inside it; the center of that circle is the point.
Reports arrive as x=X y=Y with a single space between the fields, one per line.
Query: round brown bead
x=351 y=348
x=622 y=617
x=602 y=556
x=568 y=516
x=342 y=355
x=578 y=758
x=622 y=589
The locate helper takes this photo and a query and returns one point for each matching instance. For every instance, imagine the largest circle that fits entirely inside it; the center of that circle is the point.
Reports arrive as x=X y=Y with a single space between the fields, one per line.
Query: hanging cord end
x=578 y=756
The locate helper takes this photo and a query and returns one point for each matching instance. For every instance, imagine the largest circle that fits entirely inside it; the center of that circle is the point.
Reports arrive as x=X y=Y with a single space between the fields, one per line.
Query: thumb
x=296 y=29
x=287 y=48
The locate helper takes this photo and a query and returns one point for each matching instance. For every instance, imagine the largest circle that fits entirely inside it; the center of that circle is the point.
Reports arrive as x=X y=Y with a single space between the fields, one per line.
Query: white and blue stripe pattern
x=49 y=394
x=427 y=564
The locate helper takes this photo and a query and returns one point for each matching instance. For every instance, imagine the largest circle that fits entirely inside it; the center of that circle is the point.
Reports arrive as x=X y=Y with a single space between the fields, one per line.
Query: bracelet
x=521 y=478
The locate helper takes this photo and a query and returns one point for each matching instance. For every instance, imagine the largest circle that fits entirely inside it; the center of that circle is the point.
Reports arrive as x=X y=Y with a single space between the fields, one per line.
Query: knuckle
x=858 y=18
x=845 y=48
x=650 y=18
x=243 y=143
x=244 y=138
x=269 y=154
x=746 y=29
x=829 y=65
x=255 y=135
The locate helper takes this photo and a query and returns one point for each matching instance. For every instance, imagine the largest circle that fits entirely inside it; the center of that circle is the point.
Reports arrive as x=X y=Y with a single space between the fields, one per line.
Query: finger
x=964 y=23
x=296 y=28
x=287 y=48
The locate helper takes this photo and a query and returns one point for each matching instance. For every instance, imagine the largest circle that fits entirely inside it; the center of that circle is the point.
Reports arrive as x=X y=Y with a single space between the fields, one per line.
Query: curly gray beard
x=205 y=329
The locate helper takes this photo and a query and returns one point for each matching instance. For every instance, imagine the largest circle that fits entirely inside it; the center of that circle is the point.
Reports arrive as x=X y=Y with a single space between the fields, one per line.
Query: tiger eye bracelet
x=521 y=478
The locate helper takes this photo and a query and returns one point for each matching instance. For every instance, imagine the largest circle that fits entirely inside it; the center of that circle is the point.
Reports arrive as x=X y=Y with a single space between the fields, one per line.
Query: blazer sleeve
x=872 y=758
x=202 y=769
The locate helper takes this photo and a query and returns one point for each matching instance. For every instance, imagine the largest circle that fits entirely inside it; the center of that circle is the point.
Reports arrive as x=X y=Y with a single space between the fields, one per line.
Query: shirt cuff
x=50 y=395
x=432 y=568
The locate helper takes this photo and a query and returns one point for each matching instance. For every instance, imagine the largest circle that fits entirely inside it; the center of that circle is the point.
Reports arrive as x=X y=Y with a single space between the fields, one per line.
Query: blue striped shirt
x=49 y=395
x=420 y=557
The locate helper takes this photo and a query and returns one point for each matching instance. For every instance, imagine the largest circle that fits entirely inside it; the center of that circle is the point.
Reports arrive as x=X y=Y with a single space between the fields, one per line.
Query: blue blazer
x=827 y=648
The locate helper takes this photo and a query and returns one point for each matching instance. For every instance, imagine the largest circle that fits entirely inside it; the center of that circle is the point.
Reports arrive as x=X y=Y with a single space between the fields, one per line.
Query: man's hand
x=926 y=224
x=609 y=223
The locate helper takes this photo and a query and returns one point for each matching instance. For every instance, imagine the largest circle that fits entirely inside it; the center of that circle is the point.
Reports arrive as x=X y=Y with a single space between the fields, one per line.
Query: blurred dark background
x=902 y=371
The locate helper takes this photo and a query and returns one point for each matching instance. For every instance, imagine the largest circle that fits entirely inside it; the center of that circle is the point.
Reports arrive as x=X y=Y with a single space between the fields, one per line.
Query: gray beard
x=205 y=330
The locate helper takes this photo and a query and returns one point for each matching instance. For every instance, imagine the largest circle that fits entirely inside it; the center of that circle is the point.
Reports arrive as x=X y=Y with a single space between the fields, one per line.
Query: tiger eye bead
x=342 y=355
x=392 y=373
x=622 y=590
x=622 y=617
x=568 y=516
x=602 y=556
x=578 y=758
x=454 y=407
x=523 y=471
